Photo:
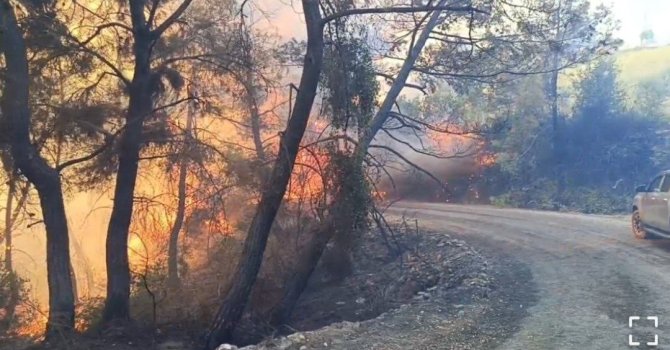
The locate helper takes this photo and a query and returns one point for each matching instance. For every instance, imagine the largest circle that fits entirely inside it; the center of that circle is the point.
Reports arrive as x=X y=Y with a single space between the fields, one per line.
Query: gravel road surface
x=589 y=272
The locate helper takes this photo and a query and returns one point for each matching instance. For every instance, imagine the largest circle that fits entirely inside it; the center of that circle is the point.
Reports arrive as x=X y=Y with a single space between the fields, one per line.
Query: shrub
x=543 y=195
x=13 y=295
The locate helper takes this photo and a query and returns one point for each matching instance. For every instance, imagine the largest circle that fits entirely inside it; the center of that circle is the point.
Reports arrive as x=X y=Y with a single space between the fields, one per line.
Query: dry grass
x=638 y=65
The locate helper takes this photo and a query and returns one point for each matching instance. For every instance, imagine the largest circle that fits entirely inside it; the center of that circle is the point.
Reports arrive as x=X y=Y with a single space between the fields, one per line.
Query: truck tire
x=638 y=229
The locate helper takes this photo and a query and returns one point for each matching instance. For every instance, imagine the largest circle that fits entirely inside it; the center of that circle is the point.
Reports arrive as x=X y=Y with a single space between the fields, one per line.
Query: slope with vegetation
x=226 y=186
x=643 y=64
x=614 y=139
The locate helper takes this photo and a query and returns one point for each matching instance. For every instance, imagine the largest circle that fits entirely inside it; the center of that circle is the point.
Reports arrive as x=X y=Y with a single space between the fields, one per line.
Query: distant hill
x=635 y=66
x=641 y=64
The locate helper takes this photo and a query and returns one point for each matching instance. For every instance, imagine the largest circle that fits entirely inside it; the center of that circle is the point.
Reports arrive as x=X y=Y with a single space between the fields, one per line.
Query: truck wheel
x=638 y=229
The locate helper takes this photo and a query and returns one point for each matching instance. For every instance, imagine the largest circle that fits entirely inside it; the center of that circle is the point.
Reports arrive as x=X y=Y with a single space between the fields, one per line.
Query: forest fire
x=34 y=329
x=178 y=164
x=452 y=161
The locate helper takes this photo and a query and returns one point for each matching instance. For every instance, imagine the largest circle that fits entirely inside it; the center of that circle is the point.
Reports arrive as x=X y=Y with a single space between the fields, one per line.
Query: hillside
x=642 y=64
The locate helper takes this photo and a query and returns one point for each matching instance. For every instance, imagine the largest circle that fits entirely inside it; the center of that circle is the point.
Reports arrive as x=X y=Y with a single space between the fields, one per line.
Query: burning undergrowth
x=438 y=166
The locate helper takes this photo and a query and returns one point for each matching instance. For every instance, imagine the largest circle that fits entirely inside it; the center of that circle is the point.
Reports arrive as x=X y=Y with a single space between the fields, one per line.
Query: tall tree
x=350 y=88
x=141 y=93
x=173 y=244
x=234 y=303
x=577 y=34
x=46 y=179
x=142 y=46
x=466 y=44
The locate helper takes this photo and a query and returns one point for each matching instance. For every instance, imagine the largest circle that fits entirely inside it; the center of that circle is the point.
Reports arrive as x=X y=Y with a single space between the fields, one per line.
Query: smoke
x=425 y=165
x=88 y=213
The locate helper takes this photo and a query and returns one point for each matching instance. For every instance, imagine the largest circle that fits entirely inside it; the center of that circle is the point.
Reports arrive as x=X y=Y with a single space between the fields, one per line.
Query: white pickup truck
x=651 y=208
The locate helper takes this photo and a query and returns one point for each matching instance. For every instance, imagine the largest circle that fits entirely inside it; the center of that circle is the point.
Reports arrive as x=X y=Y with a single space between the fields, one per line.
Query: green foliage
x=349 y=82
x=544 y=195
x=607 y=148
x=352 y=190
x=349 y=211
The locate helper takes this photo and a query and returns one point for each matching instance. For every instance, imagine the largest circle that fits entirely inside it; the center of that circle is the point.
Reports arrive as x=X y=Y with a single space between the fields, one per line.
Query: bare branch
x=100 y=28
x=412 y=164
x=170 y=20
x=331 y=138
x=175 y=103
x=391 y=79
x=109 y=140
x=459 y=154
x=100 y=57
x=399 y=9
x=152 y=12
x=443 y=130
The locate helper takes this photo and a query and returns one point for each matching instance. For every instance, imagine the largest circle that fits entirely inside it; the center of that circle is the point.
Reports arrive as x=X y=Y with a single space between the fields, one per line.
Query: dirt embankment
x=458 y=299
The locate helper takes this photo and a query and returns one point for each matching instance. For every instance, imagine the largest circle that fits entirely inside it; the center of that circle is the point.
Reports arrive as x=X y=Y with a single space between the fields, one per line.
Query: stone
x=226 y=347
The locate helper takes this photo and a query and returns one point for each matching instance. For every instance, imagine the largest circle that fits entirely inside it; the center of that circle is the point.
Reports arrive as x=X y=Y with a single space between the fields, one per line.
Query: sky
x=636 y=16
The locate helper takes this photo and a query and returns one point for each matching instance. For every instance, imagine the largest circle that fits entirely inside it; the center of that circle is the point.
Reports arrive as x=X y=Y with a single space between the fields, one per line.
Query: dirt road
x=589 y=272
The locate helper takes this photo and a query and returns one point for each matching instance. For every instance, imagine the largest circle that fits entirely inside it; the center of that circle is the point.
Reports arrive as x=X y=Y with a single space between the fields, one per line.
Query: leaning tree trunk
x=140 y=105
x=297 y=283
x=398 y=85
x=346 y=217
x=310 y=257
x=173 y=245
x=16 y=108
x=343 y=243
x=307 y=263
x=233 y=305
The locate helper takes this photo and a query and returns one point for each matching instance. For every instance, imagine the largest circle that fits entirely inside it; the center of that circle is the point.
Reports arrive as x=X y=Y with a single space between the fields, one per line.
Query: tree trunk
x=16 y=107
x=11 y=214
x=118 y=269
x=75 y=289
x=312 y=254
x=139 y=107
x=344 y=243
x=297 y=283
x=11 y=189
x=398 y=85
x=555 y=117
x=254 y=115
x=233 y=305
x=173 y=247
x=10 y=308
x=61 y=295
x=556 y=132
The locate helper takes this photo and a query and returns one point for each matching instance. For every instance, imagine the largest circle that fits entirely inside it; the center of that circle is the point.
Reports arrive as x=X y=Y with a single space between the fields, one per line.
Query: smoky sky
x=636 y=16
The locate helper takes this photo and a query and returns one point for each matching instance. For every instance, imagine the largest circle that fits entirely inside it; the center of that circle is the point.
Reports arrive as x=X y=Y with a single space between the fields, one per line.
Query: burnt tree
x=233 y=305
x=141 y=93
x=46 y=179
